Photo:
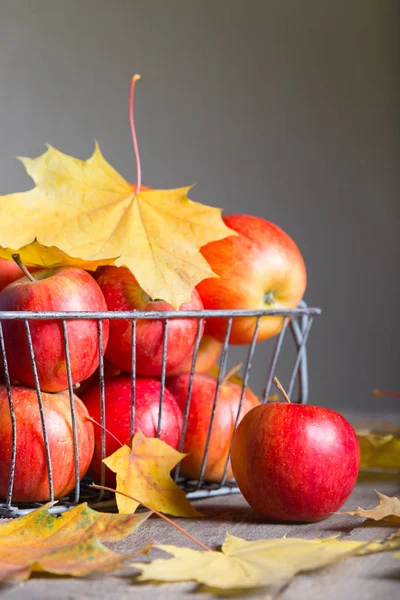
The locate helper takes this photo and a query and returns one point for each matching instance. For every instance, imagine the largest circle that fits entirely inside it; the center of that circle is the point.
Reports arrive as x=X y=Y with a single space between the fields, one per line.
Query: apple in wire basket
x=31 y=472
x=261 y=268
x=199 y=418
x=60 y=289
x=123 y=293
x=118 y=401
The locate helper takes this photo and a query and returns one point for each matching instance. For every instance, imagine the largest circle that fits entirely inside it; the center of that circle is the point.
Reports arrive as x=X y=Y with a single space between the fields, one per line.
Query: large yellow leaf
x=247 y=564
x=91 y=215
x=71 y=544
x=143 y=472
x=388 y=510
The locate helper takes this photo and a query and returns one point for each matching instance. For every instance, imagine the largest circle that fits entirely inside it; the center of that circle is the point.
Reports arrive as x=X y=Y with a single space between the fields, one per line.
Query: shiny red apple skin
x=122 y=292
x=201 y=402
x=260 y=268
x=10 y=271
x=87 y=384
x=31 y=474
x=295 y=462
x=61 y=289
x=118 y=415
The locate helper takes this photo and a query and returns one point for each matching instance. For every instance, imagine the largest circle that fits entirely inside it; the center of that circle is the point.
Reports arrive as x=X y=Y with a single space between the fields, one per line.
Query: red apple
x=295 y=462
x=122 y=292
x=10 y=271
x=62 y=289
x=118 y=414
x=31 y=474
x=207 y=355
x=259 y=268
x=201 y=402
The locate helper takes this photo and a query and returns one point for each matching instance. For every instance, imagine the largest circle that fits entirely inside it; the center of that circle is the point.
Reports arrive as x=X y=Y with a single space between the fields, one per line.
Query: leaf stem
x=380 y=393
x=134 y=79
x=170 y=521
x=232 y=372
x=281 y=389
x=17 y=259
x=105 y=429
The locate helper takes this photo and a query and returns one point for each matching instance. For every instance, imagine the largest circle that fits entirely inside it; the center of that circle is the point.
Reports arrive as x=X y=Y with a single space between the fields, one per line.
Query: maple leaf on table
x=84 y=214
x=143 y=472
x=387 y=510
x=379 y=451
x=245 y=564
x=71 y=544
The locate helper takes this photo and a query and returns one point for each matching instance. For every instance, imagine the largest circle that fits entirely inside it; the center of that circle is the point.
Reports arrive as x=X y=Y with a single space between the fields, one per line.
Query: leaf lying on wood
x=83 y=213
x=245 y=564
x=70 y=544
x=143 y=472
x=378 y=451
x=387 y=510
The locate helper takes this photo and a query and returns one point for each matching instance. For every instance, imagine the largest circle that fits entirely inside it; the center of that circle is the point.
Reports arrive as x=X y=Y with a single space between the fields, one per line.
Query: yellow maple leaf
x=245 y=564
x=83 y=213
x=71 y=544
x=143 y=472
x=388 y=510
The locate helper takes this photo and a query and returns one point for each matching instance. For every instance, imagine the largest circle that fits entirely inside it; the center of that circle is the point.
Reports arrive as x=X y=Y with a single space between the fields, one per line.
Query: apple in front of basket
x=295 y=462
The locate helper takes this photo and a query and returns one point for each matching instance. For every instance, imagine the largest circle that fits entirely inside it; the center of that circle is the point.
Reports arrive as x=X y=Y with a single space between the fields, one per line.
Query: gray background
x=285 y=109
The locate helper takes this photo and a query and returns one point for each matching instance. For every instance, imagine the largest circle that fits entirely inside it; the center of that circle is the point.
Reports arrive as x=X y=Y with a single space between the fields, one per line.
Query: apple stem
x=380 y=393
x=232 y=372
x=134 y=79
x=17 y=259
x=281 y=389
x=170 y=521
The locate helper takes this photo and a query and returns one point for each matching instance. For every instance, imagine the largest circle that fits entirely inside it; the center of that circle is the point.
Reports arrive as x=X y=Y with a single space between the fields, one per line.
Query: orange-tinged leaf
x=71 y=544
x=387 y=510
x=143 y=472
x=84 y=213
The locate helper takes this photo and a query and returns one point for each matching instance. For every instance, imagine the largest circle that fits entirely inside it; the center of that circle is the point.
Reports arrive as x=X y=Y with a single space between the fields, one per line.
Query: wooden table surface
x=375 y=577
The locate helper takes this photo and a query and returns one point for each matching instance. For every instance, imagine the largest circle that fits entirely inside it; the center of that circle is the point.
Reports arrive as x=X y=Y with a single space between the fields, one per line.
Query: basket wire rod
x=41 y=410
x=274 y=360
x=13 y=419
x=299 y=356
x=102 y=406
x=133 y=382
x=73 y=411
x=297 y=333
x=163 y=371
x=189 y=392
x=221 y=374
x=246 y=378
x=84 y=315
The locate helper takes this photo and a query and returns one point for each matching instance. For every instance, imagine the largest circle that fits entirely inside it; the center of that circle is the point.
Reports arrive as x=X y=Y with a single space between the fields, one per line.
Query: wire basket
x=298 y=321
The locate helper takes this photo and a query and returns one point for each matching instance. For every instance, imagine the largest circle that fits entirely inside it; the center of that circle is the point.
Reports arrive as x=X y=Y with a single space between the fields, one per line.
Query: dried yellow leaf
x=245 y=564
x=143 y=472
x=83 y=213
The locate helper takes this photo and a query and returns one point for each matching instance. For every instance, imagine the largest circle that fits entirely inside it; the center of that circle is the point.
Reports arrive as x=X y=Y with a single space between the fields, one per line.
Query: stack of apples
x=259 y=267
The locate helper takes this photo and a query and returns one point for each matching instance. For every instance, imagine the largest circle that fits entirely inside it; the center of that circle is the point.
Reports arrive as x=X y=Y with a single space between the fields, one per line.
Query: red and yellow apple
x=61 y=289
x=118 y=401
x=122 y=292
x=199 y=417
x=258 y=269
x=31 y=473
x=295 y=462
